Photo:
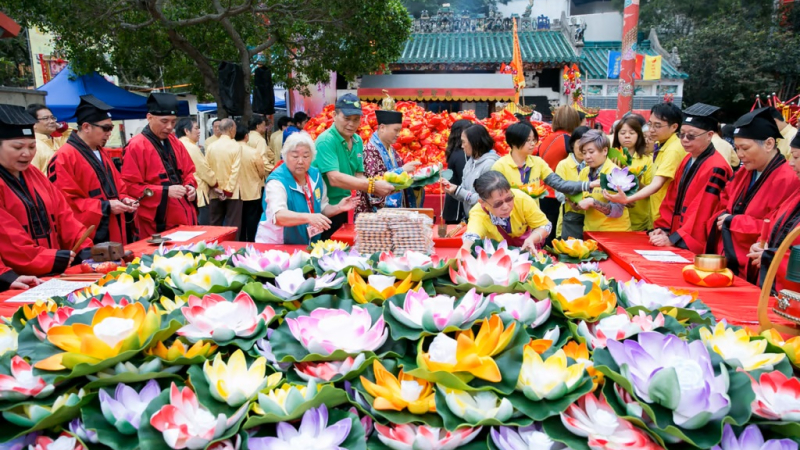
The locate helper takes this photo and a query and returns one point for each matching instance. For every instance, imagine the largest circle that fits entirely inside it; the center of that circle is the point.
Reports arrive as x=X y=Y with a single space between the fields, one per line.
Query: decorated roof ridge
x=487 y=47
x=594 y=59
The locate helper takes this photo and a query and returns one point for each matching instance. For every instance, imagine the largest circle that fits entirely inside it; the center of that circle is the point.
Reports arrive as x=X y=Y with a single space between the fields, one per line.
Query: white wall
x=550 y=8
x=603 y=27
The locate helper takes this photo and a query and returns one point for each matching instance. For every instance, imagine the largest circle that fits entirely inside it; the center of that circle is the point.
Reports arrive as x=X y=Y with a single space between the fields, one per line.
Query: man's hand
x=348 y=204
x=756 y=250
x=656 y=232
x=410 y=166
x=721 y=220
x=594 y=184
x=450 y=188
x=191 y=193
x=177 y=191
x=118 y=207
x=660 y=240
x=71 y=258
x=383 y=188
x=586 y=204
x=617 y=197
x=132 y=204
x=319 y=221
x=25 y=282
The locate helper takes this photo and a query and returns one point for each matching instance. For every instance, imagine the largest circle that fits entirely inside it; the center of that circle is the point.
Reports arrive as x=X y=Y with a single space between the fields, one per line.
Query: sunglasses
x=105 y=128
x=689 y=137
x=509 y=199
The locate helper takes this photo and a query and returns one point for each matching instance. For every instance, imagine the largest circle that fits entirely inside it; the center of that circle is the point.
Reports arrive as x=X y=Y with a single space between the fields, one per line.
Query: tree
x=415 y=7
x=183 y=41
x=15 y=68
x=731 y=49
x=729 y=62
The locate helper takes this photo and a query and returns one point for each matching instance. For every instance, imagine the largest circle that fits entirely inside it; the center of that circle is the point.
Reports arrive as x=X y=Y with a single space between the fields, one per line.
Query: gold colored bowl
x=710 y=263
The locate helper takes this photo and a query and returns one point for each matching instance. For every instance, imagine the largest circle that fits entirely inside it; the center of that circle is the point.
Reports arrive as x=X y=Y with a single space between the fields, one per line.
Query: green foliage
x=416 y=7
x=183 y=41
x=15 y=68
x=731 y=49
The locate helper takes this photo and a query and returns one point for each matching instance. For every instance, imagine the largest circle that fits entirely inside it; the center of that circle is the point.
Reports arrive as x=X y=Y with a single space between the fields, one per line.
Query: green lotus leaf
x=596 y=255
x=107 y=433
x=365 y=402
x=606 y=187
x=288 y=350
x=509 y=361
x=327 y=395
x=17 y=425
x=476 y=444
x=152 y=439
x=739 y=391
x=452 y=422
x=540 y=410
x=402 y=331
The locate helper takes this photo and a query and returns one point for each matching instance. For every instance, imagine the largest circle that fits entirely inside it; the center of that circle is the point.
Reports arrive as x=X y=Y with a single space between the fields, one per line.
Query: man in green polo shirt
x=340 y=158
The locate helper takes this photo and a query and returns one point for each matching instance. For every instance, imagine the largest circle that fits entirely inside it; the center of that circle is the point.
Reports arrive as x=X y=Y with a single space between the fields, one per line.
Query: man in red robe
x=157 y=160
x=10 y=280
x=86 y=175
x=37 y=227
x=700 y=179
x=782 y=222
x=754 y=194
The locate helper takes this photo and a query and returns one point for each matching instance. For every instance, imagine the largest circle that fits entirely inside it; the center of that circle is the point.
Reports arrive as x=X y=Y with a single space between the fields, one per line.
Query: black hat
x=795 y=141
x=161 y=104
x=349 y=104
x=91 y=109
x=701 y=116
x=388 y=117
x=776 y=114
x=15 y=122
x=757 y=125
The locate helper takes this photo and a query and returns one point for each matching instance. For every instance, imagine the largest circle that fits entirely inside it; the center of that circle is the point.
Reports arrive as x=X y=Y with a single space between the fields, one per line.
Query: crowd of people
x=702 y=187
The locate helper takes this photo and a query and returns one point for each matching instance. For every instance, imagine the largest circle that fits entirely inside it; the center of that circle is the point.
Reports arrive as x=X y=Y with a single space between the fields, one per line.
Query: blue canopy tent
x=64 y=91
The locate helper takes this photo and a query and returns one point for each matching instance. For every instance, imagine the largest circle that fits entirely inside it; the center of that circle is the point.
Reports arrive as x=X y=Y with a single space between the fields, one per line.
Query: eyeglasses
x=689 y=137
x=105 y=128
x=657 y=126
x=47 y=119
x=509 y=199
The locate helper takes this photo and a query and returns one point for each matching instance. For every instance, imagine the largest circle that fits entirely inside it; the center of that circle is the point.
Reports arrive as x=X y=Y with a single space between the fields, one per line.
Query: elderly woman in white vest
x=296 y=208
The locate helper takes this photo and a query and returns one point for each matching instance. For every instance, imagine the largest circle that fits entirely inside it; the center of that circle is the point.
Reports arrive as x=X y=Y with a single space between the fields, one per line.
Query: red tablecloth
x=138 y=248
x=210 y=234
x=738 y=303
x=347 y=234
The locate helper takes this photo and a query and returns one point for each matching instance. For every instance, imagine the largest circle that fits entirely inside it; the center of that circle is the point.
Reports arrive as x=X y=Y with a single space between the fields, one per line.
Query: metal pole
x=630 y=28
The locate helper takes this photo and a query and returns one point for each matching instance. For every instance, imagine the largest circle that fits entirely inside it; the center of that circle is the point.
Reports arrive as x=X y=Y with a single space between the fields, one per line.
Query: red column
x=630 y=27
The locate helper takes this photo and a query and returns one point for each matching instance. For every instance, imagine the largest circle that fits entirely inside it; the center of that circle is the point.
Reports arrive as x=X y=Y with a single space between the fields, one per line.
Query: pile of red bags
x=425 y=134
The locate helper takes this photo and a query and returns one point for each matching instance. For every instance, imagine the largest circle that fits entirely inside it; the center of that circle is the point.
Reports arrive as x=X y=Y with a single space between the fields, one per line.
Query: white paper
x=182 y=236
x=50 y=288
x=664 y=256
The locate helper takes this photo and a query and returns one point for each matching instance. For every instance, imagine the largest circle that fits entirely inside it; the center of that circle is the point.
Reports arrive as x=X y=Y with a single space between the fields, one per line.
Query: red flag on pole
x=637 y=73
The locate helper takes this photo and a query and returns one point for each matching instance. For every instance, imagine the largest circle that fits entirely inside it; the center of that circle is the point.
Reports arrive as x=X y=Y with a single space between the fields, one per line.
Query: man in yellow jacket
x=46 y=145
x=225 y=158
x=276 y=139
x=188 y=133
x=787 y=132
x=252 y=176
x=214 y=123
x=256 y=140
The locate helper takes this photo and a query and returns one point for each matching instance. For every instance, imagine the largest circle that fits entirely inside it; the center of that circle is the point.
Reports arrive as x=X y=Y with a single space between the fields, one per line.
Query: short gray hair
x=297 y=139
x=599 y=139
x=226 y=125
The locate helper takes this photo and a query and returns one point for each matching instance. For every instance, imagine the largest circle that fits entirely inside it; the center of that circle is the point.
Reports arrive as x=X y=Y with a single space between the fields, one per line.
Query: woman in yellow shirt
x=506 y=214
x=570 y=221
x=628 y=134
x=521 y=167
x=600 y=215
